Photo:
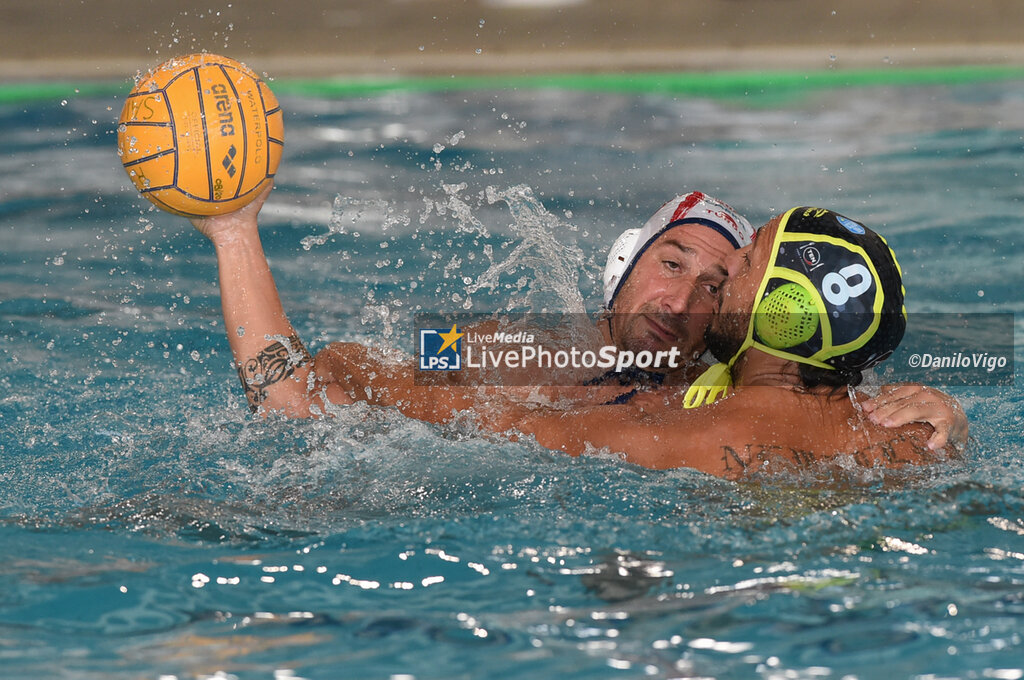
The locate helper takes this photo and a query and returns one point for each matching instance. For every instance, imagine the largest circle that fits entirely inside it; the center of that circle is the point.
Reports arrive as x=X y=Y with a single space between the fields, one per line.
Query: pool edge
x=726 y=84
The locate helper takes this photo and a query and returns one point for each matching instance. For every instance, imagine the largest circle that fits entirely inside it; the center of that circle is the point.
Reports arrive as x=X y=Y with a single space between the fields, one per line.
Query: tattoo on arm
x=767 y=452
x=803 y=457
x=729 y=453
x=763 y=453
x=271 y=365
x=888 y=452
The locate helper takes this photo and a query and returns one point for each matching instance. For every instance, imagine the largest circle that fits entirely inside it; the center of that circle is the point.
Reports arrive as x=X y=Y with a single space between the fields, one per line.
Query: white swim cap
x=692 y=208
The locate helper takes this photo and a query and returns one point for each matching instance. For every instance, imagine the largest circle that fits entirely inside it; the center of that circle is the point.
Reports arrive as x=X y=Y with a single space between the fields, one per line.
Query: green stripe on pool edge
x=13 y=93
x=720 y=84
x=725 y=84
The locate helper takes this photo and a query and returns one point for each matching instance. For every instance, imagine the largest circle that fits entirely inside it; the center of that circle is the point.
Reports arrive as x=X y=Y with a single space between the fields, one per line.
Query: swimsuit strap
x=627 y=377
x=622 y=398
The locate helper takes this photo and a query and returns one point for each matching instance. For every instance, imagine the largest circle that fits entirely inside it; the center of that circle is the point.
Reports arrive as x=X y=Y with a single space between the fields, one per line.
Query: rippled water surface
x=150 y=527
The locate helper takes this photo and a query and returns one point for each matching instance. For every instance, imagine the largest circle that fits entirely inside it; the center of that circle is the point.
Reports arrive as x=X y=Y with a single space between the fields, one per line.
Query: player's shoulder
x=747 y=403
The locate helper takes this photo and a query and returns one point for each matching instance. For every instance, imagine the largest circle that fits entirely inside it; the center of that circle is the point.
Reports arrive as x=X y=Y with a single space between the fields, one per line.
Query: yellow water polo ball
x=200 y=135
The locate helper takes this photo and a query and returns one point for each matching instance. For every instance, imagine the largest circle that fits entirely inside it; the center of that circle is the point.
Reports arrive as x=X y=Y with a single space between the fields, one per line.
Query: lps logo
x=440 y=350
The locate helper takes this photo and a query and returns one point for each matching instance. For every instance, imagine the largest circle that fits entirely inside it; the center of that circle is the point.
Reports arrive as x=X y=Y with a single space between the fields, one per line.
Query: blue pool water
x=150 y=527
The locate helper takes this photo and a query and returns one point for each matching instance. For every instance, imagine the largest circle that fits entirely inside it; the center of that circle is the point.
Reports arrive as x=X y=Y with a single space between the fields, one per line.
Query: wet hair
x=813 y=376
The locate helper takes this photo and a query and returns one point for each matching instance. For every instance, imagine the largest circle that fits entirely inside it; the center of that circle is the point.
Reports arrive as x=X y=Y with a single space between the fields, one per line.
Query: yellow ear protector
x=786 y=317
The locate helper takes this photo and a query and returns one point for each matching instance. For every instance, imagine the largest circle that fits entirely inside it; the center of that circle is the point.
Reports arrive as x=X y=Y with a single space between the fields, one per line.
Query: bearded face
x=672 y=292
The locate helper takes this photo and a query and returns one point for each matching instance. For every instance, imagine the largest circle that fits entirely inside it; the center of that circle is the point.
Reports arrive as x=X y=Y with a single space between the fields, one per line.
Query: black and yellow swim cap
x=831 y=296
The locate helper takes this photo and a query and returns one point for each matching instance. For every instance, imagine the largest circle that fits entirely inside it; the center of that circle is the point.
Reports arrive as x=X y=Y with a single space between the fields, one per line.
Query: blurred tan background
x=102 y=39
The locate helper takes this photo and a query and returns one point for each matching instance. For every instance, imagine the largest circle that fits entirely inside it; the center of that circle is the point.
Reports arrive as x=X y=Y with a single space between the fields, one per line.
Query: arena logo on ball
x=440 y=349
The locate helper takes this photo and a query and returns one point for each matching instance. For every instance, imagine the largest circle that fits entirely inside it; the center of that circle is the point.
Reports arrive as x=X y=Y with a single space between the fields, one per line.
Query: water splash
x=348 y=215
x=541 y=271
x=371 y=315
x=554 y=264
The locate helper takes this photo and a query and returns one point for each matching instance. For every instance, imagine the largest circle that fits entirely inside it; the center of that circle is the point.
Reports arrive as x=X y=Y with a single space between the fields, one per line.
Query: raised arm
x=276 y=370
x=273 y=364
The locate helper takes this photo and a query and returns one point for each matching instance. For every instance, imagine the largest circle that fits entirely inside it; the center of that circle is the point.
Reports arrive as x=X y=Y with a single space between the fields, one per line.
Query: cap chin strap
x=711 y=385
